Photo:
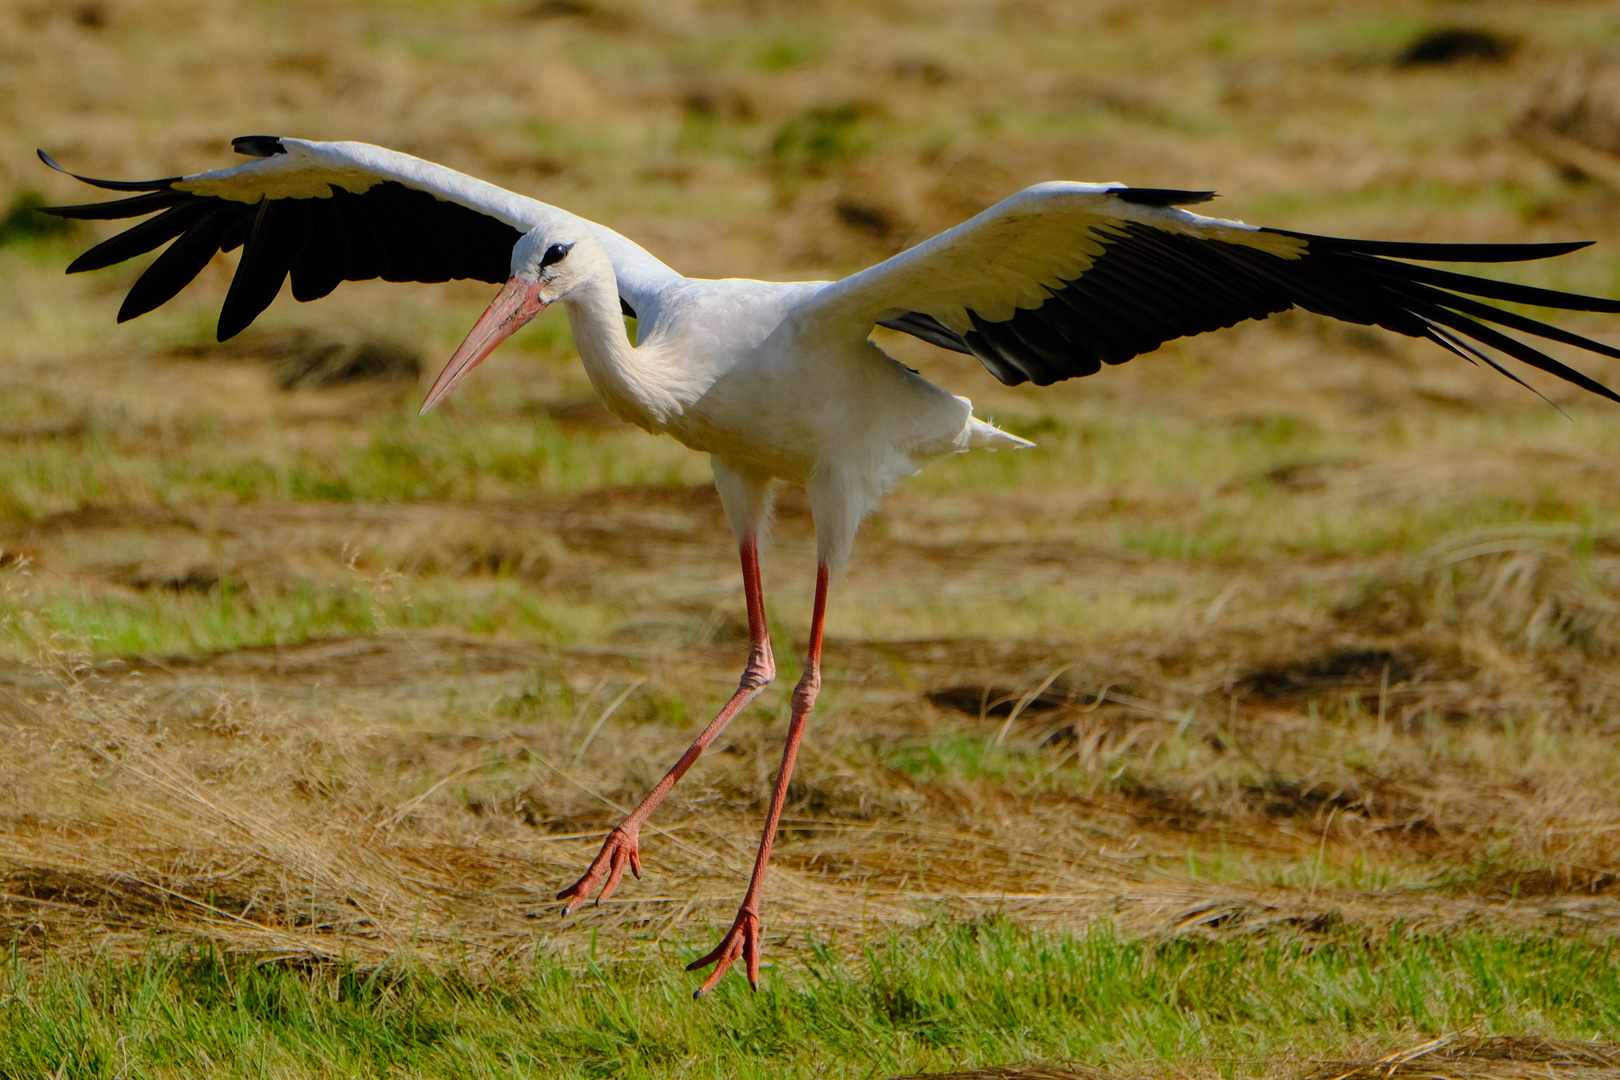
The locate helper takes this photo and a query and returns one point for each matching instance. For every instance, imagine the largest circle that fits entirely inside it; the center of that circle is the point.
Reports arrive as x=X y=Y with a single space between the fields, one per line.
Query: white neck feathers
x=630 y=381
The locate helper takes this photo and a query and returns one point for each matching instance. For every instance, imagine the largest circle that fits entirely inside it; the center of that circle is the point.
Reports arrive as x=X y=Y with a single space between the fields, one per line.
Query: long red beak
x=514 y=305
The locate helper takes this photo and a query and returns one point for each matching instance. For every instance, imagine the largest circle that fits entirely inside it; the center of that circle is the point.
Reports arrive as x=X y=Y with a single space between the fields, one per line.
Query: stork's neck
x=625 y=377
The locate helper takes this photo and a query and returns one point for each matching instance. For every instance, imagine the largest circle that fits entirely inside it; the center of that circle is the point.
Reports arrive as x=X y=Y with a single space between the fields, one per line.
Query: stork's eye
x=554 y=253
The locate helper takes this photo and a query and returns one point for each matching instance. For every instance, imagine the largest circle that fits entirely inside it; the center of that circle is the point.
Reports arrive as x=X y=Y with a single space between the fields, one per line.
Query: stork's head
x=542 y=274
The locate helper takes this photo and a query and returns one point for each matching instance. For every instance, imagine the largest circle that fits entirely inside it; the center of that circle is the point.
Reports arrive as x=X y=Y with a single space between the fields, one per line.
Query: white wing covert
x=1062 y=278
x=321 y=213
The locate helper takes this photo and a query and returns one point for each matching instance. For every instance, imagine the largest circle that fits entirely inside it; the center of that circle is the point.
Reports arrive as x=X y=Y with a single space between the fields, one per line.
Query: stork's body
x=722 y=367
x=780 y=381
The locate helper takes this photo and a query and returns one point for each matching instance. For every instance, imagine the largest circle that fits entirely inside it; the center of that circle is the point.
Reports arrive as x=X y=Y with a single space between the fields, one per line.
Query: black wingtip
x=134 y=206
x=1429 y=252
x=110 y=185
x=259 y=146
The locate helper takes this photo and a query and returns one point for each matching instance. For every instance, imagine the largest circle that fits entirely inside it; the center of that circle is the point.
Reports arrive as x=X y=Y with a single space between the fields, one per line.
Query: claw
x=620 y=849
x=742 y=940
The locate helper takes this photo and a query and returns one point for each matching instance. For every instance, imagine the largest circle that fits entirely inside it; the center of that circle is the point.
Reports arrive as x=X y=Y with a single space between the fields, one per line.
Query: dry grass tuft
x=1463 y=1056
x=1532 y=609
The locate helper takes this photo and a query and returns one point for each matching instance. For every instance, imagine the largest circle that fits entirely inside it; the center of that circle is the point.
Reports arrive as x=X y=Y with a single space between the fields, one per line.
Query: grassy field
x=984 y=991
x=310 y=705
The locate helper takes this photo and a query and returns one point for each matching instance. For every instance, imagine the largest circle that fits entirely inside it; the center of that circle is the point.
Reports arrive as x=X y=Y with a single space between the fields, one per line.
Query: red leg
x=621 y=847
x=742 y=940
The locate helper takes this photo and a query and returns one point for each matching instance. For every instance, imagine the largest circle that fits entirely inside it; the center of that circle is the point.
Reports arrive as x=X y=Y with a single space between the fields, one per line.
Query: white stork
x=780 y=381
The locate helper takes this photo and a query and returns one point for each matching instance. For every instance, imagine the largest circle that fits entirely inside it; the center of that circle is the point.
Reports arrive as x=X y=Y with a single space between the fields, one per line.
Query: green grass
x=393 y=460
x=162 y=622
x=948 y=996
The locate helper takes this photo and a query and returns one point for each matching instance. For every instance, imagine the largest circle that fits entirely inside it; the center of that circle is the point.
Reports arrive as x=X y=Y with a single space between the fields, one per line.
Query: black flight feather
x=149 y=234
x=1520 y=351
x=322 y=269
x=175 y=268
x=262 y=270
x=1512 y=320
x=1475 y=356
x=1494 y=290
x=134 y=206
x=926 y=327
x=111 y=185
x=1399 y=249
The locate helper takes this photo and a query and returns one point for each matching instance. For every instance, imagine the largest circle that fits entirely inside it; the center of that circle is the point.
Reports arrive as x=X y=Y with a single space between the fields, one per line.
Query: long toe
x=619 y=850
x=575 y=894
x=740 y=942
x=580 y=891
x=621 y=859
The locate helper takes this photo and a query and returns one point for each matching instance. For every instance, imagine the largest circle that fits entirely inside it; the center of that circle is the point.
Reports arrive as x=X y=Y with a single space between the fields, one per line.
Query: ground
x=1261 y=721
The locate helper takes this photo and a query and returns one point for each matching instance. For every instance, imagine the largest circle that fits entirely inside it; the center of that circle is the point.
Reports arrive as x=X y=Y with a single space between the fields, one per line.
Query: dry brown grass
x=418 y=790
x=1465 y=1055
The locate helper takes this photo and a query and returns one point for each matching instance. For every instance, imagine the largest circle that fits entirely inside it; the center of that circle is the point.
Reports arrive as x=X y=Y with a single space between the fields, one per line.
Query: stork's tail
x=978 y=435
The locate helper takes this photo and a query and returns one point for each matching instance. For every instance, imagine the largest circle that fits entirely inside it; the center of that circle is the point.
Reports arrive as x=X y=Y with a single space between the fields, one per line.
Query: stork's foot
x=742 y=940
x=621 y=848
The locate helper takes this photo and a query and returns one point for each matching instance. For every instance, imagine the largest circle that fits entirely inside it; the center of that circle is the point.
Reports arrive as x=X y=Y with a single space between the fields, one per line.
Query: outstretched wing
x=1063 y=278
x=322 y=213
